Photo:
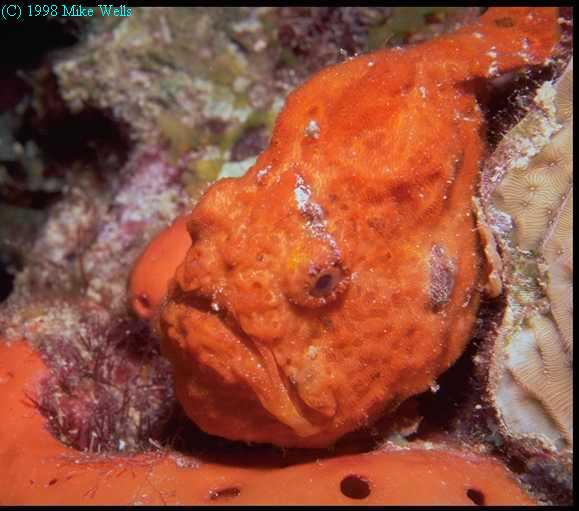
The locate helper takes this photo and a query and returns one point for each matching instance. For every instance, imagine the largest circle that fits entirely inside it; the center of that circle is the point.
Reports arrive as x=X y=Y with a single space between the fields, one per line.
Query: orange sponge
x=156 y=266
x=38 y=469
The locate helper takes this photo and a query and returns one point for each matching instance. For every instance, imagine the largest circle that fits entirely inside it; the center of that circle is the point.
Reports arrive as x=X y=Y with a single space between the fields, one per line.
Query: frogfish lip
x=198 y=335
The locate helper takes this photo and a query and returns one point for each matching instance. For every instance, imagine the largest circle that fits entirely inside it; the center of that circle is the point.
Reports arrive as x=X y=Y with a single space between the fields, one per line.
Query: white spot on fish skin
x=422 y=91
x=525 y=50
x=459 y=117
x=262 y=173
x=478 y=35
x=315 y=222
x=302 y=194
x=370 y=64
x=312 y=129
x=493 y=68
x=215 y=307
x=312 y=352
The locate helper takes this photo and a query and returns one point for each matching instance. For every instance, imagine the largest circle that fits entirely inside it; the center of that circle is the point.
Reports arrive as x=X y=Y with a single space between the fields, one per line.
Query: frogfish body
x=341 y=274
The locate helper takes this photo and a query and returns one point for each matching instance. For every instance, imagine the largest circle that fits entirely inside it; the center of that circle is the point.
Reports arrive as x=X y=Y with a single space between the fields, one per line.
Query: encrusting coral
x=558 y=255
x=535 y=358
x=532 y=194
x=532 y=199
x=341 y=274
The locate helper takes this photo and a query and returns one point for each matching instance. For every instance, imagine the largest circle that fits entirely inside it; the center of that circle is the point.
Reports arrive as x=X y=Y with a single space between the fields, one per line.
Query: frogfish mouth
x=341 y=274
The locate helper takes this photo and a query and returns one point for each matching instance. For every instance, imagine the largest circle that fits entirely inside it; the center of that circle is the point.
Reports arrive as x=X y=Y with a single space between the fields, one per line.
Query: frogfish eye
x=317 y=285
x=326 y=282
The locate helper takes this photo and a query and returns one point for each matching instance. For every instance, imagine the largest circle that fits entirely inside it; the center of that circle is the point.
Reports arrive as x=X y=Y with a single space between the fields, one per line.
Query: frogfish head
x=338 y=276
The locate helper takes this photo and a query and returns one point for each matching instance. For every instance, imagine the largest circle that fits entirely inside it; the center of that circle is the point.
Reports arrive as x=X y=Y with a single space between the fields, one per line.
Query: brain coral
x=532 y=208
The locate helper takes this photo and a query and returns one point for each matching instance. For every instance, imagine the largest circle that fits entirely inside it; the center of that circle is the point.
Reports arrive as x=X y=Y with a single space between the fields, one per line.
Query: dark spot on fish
x=313 y=111
x=327 y=323
x=406 y=88
x=401 y=193
x=410 y=331
x=377 y=224
x=442 y=273
x=504 y=22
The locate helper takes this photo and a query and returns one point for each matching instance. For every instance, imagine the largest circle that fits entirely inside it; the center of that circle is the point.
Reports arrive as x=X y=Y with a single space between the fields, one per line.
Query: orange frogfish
x=341 y=274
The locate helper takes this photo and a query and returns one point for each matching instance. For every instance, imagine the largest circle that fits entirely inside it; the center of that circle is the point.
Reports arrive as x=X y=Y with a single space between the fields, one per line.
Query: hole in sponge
x=477 y=496
x=355 y=487
x=224 y=493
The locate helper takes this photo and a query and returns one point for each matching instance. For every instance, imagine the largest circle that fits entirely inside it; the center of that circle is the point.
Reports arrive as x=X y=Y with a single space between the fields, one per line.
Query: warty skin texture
x=340 y=275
